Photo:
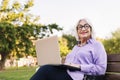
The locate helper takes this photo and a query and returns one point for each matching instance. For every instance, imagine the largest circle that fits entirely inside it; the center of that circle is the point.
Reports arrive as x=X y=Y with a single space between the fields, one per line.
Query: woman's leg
x=50 y=72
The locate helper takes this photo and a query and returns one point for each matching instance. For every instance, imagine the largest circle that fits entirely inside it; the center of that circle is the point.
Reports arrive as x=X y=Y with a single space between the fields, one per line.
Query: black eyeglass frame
x=86 y=26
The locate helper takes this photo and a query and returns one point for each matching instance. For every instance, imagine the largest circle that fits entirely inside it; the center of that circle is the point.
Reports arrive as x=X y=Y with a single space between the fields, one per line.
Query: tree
x=112 y=44
x=46 y=30
x=66 y=44
x=11 y=17
x=71 y=40
x=19 y=28
x=64 y=50
x=7 y=41
x=27 y=33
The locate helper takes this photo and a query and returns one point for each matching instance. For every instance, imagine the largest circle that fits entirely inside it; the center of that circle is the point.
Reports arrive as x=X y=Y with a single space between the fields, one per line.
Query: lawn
x=23 y=73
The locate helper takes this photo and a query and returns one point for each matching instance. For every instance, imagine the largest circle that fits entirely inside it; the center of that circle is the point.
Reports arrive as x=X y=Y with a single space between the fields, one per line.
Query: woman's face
x=83 y=30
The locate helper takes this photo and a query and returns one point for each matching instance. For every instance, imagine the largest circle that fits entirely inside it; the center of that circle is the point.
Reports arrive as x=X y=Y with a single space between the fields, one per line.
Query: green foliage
x=67 y=42
x=64 y=50
x=7 y=41
x=17 y=13
x=7 y=37
x=53 y=26
x=46 y=30
x=19 y=29
x=116 y=34
x=23 y=41
x=71 y=40
x=112 y=45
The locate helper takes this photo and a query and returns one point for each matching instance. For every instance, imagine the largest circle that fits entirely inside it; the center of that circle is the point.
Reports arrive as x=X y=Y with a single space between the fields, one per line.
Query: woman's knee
x=45 y=68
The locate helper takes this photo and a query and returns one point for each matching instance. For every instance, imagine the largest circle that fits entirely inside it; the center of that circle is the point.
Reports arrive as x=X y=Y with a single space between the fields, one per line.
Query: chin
x=84 y=37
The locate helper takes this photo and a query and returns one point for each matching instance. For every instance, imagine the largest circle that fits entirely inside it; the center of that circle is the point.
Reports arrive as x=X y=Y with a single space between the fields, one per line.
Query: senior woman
x=88 y=56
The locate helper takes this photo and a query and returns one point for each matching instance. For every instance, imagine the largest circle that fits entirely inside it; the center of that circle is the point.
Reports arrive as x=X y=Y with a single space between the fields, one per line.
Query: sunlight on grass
x=22 y=73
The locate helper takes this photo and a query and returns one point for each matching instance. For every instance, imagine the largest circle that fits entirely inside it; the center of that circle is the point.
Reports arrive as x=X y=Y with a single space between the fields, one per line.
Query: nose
x=83 y=28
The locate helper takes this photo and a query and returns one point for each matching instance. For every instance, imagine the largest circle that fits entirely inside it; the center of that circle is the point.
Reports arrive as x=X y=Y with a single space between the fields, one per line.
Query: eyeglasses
x=80 y=27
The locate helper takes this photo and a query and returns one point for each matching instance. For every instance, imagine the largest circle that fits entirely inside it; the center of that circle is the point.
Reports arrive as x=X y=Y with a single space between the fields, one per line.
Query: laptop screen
x=47 y=50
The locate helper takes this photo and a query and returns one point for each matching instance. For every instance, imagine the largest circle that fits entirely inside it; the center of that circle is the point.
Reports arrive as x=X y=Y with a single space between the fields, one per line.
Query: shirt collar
x=91 y=40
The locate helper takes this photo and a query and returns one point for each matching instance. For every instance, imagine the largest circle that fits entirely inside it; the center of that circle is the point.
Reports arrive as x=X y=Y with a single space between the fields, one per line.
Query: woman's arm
x=100 y=61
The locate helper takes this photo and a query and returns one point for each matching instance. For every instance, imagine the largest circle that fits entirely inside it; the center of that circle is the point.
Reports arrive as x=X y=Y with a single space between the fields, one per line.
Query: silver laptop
x=47 y=50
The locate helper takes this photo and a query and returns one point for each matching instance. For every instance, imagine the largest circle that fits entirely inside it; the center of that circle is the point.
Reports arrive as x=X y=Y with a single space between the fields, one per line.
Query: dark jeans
x=50 y=72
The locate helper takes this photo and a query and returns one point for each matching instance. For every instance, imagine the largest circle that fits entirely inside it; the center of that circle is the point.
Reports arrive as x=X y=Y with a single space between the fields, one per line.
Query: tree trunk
x=2 y=61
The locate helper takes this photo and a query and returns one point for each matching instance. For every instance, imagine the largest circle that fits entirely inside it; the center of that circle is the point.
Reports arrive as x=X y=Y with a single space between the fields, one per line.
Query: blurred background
x=22 y=22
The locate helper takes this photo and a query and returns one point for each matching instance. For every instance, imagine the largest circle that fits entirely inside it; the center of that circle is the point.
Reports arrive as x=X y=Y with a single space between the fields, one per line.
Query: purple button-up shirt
x=91 y=57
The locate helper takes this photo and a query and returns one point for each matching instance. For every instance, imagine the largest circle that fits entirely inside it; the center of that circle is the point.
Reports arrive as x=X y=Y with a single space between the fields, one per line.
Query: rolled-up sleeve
x=99 y=64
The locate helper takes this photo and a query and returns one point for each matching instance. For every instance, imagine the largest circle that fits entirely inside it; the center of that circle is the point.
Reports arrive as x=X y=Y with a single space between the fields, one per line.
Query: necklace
x=81 y=44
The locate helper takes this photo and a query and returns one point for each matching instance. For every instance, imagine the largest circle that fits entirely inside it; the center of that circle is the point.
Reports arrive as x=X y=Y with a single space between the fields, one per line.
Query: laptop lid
x=47 y=50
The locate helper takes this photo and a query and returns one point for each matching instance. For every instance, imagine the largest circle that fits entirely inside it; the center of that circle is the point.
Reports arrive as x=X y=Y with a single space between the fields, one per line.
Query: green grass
x=22 y=73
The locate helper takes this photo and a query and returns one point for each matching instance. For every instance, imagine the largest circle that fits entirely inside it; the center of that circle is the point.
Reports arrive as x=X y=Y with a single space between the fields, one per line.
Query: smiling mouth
x=83 y=32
